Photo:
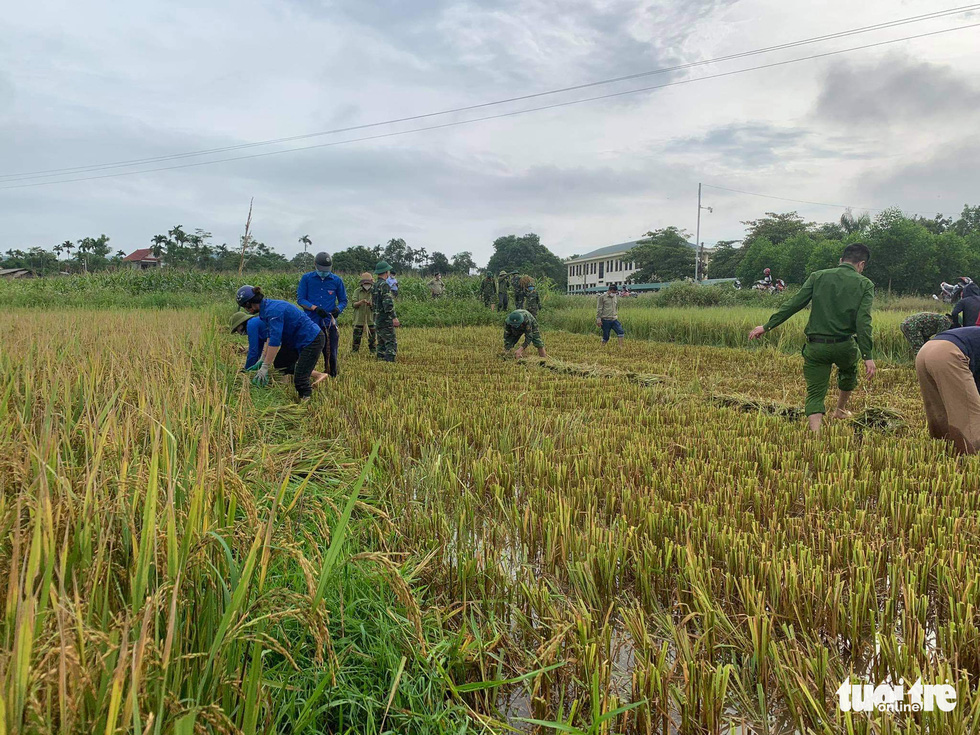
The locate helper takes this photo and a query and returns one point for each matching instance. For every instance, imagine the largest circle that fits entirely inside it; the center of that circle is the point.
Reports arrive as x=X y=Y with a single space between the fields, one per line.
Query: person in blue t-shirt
x=287 y=325
x=323 y=296
x=258 y=334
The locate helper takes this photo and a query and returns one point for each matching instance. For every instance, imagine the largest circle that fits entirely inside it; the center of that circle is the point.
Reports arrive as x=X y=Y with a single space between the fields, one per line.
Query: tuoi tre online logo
x=894 y=697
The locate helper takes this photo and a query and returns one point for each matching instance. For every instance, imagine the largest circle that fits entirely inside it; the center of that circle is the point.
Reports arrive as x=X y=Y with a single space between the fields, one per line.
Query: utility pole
x=698 y=247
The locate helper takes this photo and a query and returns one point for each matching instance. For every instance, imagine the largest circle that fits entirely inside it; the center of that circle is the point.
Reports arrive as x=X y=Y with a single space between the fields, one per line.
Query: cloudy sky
x=102 y=82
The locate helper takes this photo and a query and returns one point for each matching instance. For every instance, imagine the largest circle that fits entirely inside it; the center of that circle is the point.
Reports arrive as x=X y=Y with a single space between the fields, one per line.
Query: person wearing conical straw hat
x=837 y=333
x=521 y=323
x=258 y=334
x=385 y=318
x=363 y=314
x=286 y=324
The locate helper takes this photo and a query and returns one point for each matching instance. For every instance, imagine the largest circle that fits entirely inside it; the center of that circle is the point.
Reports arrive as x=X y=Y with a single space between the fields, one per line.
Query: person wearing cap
x=437 y=287
x=287 y=325
x=521 y=323
x=607 y=315
x=363 y=314
x=532 y=301
x=948 y=369
x=502 y=300
x=488 y=291
x=840 y=310
x=385 y=319
x=322 y=295
x=258 y=334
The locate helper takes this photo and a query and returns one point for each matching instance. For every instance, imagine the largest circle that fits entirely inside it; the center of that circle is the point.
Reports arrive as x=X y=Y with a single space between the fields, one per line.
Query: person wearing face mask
x=322 y=295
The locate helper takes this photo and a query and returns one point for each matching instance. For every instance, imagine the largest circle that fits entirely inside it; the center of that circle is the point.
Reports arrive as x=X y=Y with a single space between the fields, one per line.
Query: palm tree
x=68 y=246
x=305 y=241
x=851 y=224
x=158 y=242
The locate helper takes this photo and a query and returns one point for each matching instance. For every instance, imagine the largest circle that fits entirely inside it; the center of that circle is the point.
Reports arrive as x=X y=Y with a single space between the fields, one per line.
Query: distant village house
x=142 y=259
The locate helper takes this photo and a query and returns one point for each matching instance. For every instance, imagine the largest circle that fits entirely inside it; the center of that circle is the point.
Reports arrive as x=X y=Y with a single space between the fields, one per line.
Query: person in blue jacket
x=286 y=325
x=254 y=328
x=322 y=294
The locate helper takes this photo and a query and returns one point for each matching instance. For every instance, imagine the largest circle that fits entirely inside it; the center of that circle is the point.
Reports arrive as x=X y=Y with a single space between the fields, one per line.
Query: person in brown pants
x=947 y=367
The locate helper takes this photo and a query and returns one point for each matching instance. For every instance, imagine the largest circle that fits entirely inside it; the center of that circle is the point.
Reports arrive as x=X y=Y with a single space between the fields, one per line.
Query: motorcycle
x=775 y=287
x=949 y=293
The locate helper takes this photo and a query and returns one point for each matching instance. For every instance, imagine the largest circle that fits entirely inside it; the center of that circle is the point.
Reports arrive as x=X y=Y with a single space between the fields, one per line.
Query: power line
x=805 y=201
x=793 y=44
x=512 y=113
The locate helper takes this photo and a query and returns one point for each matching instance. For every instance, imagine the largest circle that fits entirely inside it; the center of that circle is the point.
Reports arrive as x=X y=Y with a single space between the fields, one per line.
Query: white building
x=600 y=267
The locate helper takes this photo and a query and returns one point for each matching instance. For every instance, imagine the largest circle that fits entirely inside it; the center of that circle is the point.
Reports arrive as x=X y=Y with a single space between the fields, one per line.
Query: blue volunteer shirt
x=257 y=333
x=328 y=293
x=286 y=323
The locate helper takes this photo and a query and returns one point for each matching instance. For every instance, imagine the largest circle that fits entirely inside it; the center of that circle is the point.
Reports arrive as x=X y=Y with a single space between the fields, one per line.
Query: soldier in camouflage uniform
x=502 y=299
x=520 y=323
x=385 y=319
x=919 y=328
x=517 y=284
x=532 y=302
x=488 y=291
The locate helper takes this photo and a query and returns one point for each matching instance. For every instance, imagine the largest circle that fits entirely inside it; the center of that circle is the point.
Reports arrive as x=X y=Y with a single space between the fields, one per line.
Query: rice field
x=635 y=541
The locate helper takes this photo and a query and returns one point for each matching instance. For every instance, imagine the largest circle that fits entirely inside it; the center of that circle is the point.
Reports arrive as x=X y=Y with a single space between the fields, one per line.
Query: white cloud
x=104 y=82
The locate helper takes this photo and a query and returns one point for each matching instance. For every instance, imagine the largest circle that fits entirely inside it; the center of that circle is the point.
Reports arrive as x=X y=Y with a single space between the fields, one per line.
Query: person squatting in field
x=840 y=310
x=323 y=296
x=918 y=328
x=607 y=315
x=948 y=369
x=258 y=334
x=385 y=319
x=521 y=323
x=363 y=314
x=286 y=324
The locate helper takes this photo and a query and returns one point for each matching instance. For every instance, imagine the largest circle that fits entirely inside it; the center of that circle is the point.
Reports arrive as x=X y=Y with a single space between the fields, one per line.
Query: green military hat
x=238 y=319
x=503 y=273
x=515 y=318
x=381 y=267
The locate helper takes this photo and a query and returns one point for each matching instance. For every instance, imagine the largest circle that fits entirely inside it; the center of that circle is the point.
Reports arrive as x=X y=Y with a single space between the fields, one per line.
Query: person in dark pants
x=286 y=323
x=385 y=318
x=258 y=334
x=323 y=295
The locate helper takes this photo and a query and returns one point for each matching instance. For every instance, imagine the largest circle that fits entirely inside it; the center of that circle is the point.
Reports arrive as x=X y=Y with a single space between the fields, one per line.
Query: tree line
x=908 y=254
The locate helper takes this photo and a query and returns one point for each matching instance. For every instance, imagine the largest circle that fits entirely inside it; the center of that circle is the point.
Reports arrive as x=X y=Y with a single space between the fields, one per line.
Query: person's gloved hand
x=255 y=366
x=321 y=312
x=335 y=313
x=261 y=376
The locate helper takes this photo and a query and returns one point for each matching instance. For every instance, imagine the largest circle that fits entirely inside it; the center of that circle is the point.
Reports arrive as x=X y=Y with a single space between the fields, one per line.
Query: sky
x=102 y=82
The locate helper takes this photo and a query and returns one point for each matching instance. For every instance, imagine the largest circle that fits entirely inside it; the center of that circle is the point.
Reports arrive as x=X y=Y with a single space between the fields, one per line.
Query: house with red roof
x=142 y=259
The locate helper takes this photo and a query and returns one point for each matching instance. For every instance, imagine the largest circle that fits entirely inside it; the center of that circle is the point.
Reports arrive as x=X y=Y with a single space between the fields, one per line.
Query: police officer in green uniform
x=385 y=319
x=520 y=323
x=840 y=310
